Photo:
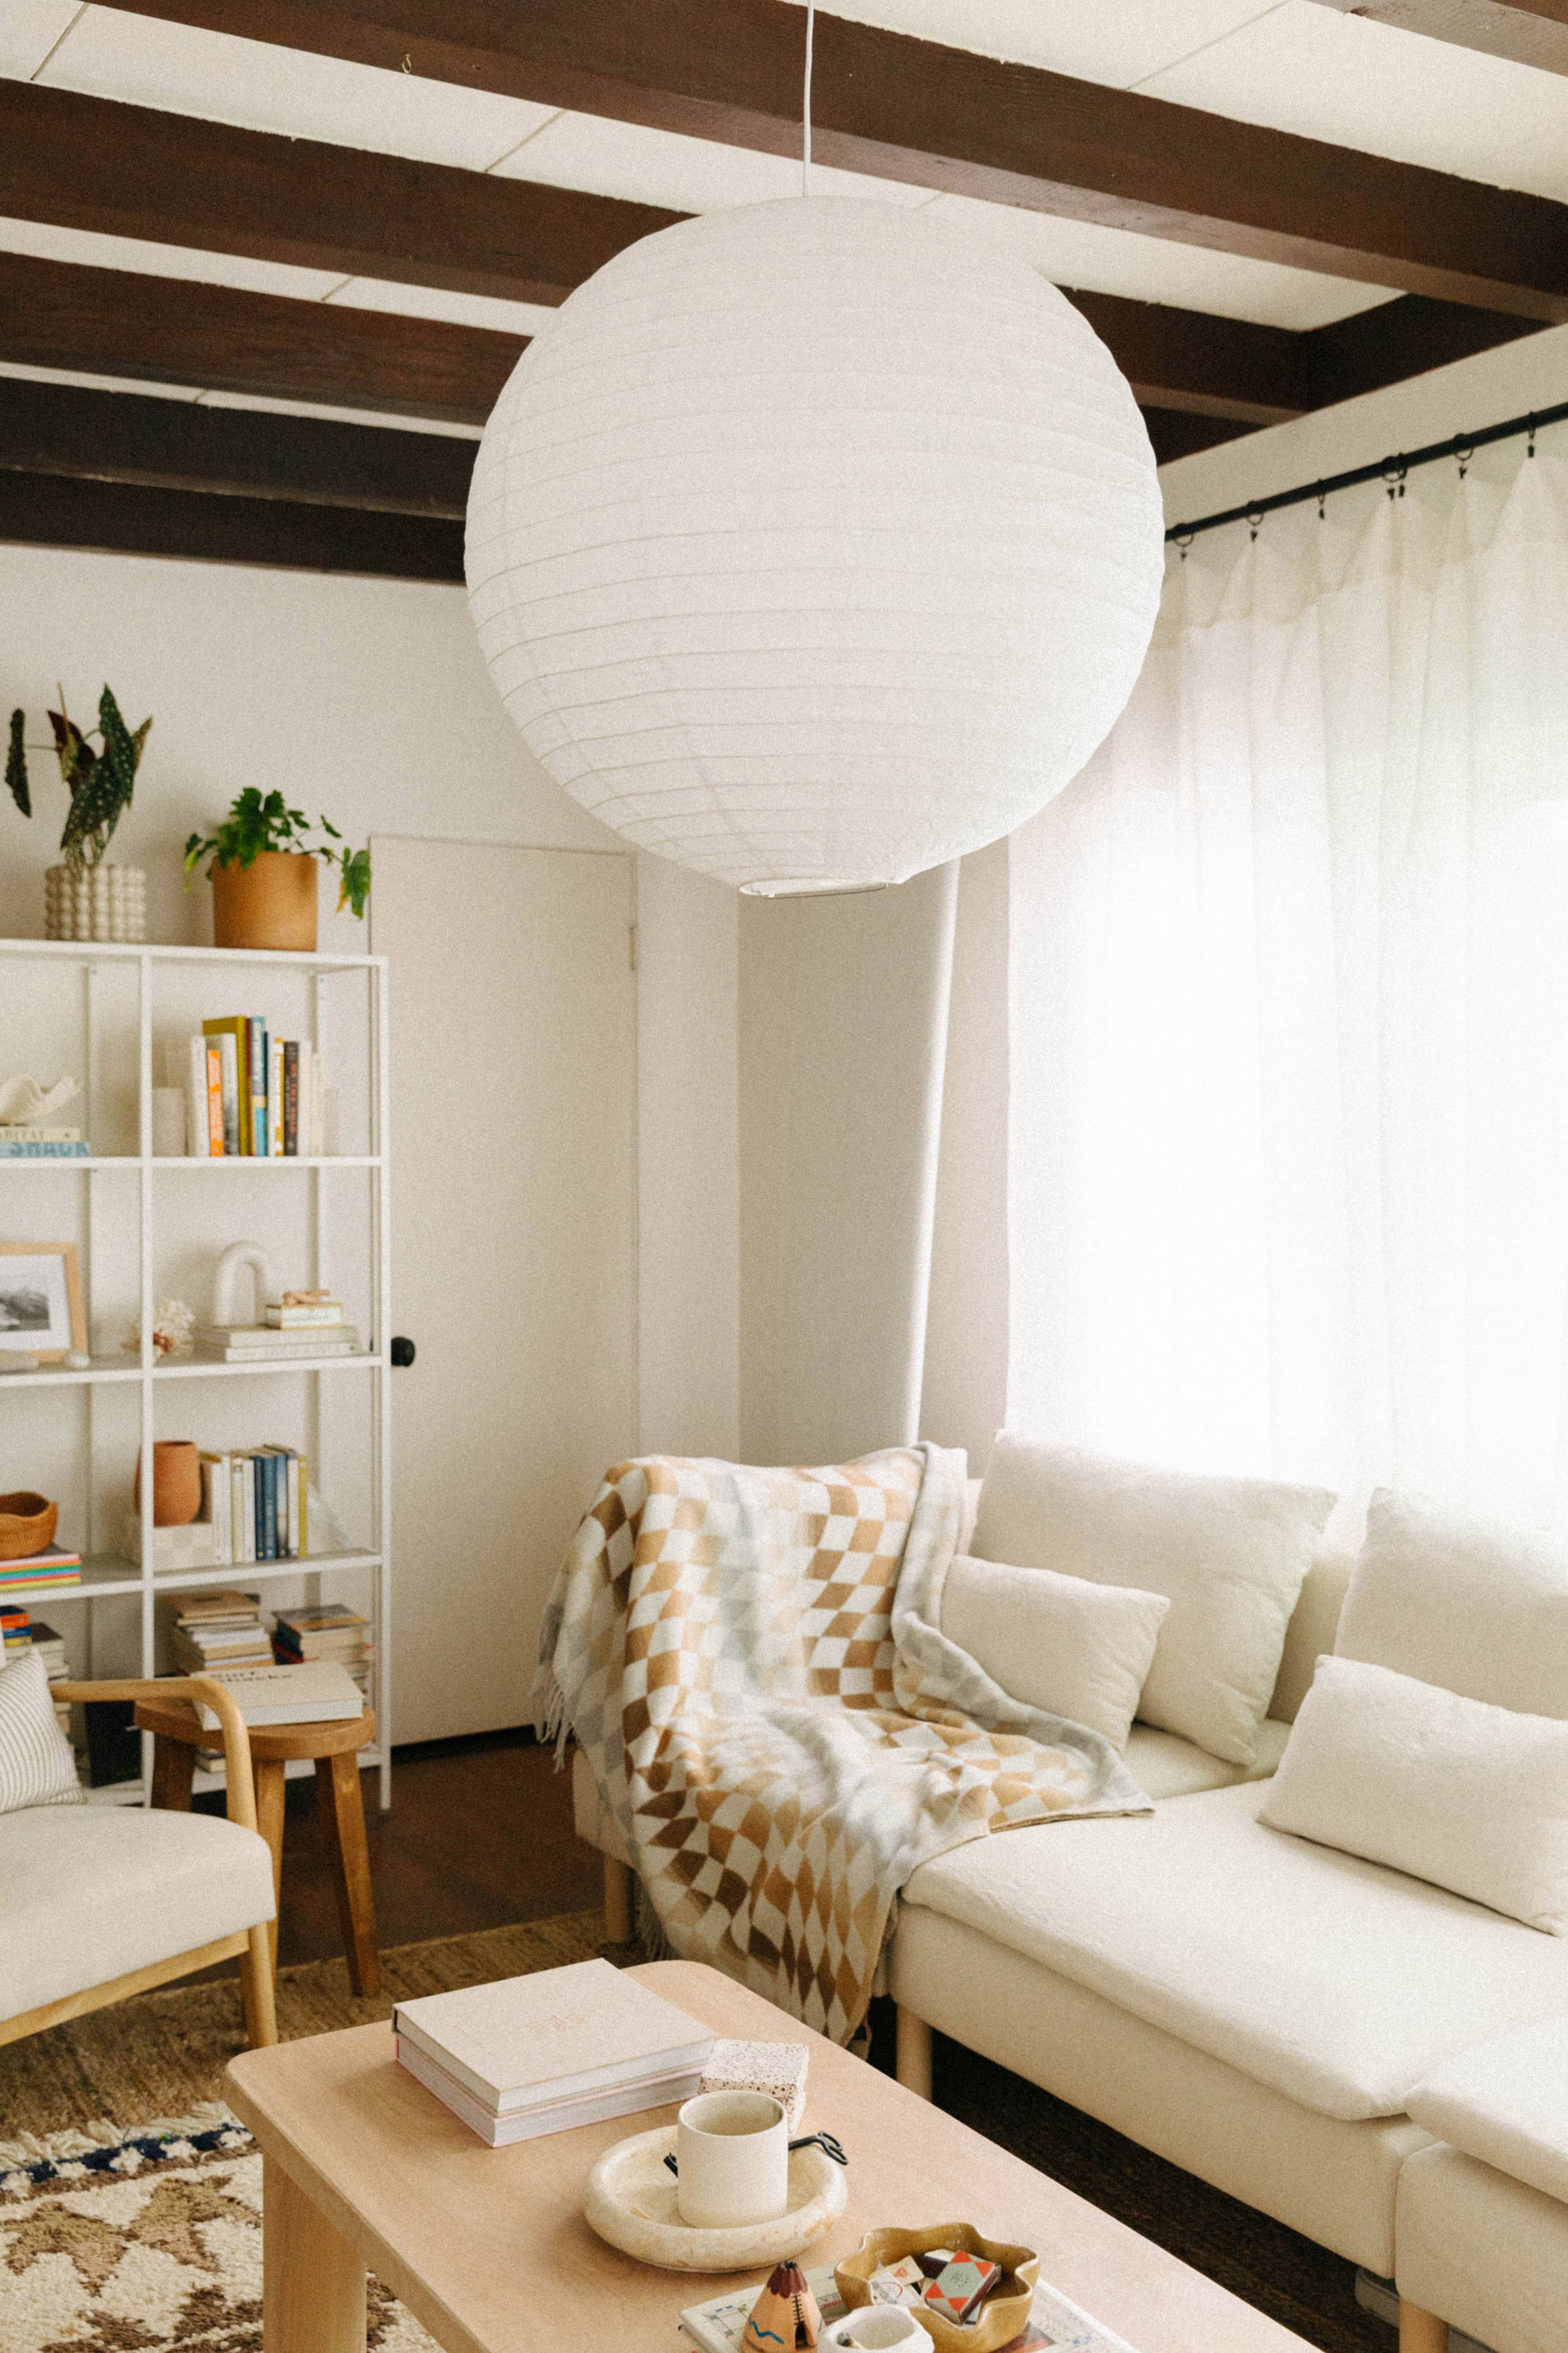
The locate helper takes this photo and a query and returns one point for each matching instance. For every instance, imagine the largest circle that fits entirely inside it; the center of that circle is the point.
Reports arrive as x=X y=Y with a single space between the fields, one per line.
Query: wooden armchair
x=61 y=1866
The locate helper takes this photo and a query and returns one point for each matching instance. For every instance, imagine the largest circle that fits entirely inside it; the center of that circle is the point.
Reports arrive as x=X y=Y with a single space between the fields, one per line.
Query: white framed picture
x=41 y=1312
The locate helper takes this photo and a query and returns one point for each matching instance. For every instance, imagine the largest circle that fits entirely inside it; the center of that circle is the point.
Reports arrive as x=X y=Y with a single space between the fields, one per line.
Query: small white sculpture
x=24 y=1104
x=225 y=1284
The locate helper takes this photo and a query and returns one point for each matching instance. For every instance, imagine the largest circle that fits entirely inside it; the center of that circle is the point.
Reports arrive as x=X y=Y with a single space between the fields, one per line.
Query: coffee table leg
x=312 y=2282
x=341 y=1804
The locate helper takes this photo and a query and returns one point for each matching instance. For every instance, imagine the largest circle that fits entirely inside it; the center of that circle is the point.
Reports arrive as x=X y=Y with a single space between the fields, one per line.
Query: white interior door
x=514 y=1249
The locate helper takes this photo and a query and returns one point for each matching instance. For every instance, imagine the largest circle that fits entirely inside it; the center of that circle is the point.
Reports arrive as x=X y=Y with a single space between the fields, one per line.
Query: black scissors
x=822 y=2140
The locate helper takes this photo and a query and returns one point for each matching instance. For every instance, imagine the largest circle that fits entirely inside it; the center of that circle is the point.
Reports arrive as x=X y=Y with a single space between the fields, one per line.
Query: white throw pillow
x=36 y=1767
x=1059 y=1643
x=1228 y=1554
x=1473 y=1605
x=1472 y=1798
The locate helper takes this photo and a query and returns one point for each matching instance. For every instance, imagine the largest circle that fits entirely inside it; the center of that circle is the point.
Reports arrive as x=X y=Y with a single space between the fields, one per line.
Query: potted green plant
x=86 y=897
x=262 y=868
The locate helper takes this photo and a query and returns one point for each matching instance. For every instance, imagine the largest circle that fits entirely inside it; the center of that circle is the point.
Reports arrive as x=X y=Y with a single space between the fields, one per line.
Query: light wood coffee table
x=364 y=2169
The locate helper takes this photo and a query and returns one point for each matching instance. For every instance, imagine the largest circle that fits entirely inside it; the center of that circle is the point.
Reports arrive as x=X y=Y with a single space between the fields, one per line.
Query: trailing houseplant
x=86 y=897
x=261 y=865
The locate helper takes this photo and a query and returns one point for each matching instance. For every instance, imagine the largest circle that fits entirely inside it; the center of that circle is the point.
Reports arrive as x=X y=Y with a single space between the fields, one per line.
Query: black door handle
x=402 y=1351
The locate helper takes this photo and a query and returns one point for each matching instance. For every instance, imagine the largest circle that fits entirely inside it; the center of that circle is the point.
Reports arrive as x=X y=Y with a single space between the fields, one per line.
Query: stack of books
x=42 y=1144
x=56 y=1565
x=543 y=2054
x=209 y=1631
x=300 y=1637
x=268 y=1344
x=274 y=1694
x=257 y=1504
x=252 y=1094
x=16 y=1642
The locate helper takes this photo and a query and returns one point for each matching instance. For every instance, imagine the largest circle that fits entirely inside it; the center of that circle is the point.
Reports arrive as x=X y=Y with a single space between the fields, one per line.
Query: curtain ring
x=1182 y=540
x=1394 y=474
x=1323 y=503
x=1530 y=445
x=1464 y=451
x=1254 y=519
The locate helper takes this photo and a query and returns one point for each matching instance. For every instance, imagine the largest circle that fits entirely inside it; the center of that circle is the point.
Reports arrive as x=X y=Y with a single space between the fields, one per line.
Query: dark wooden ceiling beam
x=125 y=519
x=1530 y=32
x=1193 y=361
x=1396 y=340
x=889 y=104
x=121 y=322
x=127 y=437
x=88 y=162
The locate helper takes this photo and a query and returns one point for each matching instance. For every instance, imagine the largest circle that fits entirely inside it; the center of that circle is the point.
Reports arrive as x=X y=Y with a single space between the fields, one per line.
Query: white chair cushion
x=1231 y=1555
x=1333 y=1981
x=1472 y=1605
x=1163 y=1764
x=90 y=1893
x=1067 y=1645
x=1506 y=2101
x=1473 y=1798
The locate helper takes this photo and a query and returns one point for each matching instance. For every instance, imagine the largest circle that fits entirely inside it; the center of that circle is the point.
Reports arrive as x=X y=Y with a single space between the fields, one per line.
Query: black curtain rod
x=1391 y=470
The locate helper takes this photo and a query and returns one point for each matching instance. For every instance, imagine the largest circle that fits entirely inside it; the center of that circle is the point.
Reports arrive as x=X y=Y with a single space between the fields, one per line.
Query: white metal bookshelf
x=107 y=1576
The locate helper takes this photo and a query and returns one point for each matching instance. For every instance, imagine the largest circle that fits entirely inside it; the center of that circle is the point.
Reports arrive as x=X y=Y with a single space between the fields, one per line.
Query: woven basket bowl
x=1003 y=2315
x=27 y=1525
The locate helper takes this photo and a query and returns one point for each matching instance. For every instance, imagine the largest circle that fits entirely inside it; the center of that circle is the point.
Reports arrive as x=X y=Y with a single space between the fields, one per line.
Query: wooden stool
x=177 y=1733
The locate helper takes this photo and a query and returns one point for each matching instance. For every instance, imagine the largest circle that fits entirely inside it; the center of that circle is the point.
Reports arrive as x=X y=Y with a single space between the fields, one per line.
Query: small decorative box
x=961 y=2287
x=778 y=2069
x=900 y=2283
x=933 y=2260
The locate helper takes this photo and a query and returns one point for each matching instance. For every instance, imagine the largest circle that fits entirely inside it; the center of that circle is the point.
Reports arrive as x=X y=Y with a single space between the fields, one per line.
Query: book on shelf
x=21 y=1146
x=257 y=1502
x=525 y=2044
x=325 y=1630
x=1055 y=2325
x=318 y=1693
x=258 y=1344
x=205 y=1632
x=16 y=1642
x=303 y=1314
x=13 y=1133
x=53 y=1566
x=253 y=1094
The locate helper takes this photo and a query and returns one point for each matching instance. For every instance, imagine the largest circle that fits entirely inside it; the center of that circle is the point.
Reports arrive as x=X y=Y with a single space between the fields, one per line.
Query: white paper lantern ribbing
x=813 y=543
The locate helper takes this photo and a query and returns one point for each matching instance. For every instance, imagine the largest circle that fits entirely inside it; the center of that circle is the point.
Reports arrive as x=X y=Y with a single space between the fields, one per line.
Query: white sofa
x=1255 y=2008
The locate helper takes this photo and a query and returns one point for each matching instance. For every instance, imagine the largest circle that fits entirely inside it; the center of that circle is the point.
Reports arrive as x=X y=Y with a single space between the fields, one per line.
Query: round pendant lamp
x=815 y=542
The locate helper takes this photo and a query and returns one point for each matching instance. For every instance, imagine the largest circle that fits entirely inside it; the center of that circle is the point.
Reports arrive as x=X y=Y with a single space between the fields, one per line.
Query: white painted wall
x=368 y=699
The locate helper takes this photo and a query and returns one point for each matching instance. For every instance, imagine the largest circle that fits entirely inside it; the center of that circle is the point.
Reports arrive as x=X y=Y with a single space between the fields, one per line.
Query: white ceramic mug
x=732 y=2151
x=875 y=2328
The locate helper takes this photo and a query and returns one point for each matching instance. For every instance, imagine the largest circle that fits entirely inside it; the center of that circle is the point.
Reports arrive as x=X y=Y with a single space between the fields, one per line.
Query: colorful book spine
x=292 y=1097
x=255 y=1030
x=276 y=1115
x=237 y=1117
x=217 y=1132
x=19 y=1151
x=198 y=1110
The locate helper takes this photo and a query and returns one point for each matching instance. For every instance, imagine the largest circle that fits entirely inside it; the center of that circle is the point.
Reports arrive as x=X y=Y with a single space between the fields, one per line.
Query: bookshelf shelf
x=124 y=993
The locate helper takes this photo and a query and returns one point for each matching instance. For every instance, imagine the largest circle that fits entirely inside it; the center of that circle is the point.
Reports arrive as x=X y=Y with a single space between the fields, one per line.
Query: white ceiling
x=1289 y=64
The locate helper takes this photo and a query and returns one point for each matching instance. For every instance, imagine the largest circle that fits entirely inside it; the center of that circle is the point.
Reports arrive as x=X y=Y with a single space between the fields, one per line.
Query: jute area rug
x=119 y=2236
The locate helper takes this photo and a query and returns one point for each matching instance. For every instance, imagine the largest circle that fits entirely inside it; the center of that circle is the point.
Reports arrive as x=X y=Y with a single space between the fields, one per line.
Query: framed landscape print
x=41 y=1312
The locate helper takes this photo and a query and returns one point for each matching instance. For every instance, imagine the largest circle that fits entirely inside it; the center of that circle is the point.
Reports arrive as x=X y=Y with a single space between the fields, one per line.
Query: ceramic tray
x=631 y=2201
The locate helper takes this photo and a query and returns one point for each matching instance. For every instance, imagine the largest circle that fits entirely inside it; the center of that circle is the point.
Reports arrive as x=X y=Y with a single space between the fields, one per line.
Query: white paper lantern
x=813 y=543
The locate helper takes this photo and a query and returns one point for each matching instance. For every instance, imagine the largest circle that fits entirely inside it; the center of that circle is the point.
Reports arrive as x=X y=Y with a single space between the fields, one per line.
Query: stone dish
x=630 y=2201
x=1005 y=2312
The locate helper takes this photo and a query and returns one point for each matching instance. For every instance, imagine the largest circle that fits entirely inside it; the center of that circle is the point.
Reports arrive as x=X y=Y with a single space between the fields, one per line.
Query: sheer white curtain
x=1288 y=1013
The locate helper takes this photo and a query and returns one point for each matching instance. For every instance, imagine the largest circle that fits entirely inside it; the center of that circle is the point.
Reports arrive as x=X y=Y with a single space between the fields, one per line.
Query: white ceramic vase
x=102 y=902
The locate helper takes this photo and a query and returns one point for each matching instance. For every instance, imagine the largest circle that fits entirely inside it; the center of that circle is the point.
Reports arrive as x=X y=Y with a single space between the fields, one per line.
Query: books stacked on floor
x=205 y=1632
x=42 y=1144
x=321 y=1694
x=257 y=1504
x=57 y=1564
x=253 y=1094
x=270 y=1343
x=329 y=1631
x=546 y=2052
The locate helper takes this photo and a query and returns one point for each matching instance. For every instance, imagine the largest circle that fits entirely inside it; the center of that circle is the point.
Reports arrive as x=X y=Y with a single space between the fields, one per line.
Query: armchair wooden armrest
x=200 y=1691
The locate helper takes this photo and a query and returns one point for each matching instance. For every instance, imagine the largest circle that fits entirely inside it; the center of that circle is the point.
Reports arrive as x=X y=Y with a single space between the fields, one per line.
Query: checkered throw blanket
x=751 y=1662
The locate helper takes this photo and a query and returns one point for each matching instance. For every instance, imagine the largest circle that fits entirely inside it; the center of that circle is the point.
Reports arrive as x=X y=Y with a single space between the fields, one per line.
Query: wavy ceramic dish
x=630 y=2201
x=1002 y=2316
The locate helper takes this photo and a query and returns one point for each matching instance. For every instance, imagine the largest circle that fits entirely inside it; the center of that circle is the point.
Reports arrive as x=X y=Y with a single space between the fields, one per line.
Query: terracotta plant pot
x=271 y=904
x=27 y=1524
x=176 y=1482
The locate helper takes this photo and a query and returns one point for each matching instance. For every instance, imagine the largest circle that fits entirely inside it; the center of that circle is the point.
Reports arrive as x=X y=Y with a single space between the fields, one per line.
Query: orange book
x=215 y=1102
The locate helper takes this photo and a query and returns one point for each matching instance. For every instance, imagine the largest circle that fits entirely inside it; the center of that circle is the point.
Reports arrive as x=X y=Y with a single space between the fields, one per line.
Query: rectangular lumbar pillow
x=1229 y=1554
x=1060 y=1643
x=36 y=1767
x=1473 y=1605
x=1470 y=1797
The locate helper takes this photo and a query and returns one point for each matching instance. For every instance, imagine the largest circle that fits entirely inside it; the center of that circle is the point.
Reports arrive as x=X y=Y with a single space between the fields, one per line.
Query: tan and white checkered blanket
x=752 y=1664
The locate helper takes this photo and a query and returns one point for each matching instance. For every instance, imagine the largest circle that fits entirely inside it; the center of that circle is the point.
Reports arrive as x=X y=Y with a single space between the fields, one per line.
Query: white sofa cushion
x=1231 y=1554
x=1163 y=1764
x=1333 y=1981
x=37 y=1766
x=1472 y=1605
x=87 y=1894
x=1488 y=2254
x=1064 y=1644
x=1473 y=1798
x=1506 y=2101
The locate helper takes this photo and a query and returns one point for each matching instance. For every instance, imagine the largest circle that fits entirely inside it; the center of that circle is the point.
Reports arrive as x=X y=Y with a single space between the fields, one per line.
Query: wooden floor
x=479 y=1834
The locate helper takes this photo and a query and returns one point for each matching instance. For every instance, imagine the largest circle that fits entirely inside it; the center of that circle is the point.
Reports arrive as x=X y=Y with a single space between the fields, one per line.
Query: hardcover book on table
x=527 y=2043
x=317 y=1692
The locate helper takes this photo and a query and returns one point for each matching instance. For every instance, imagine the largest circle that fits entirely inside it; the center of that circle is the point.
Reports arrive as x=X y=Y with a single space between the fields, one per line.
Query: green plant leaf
x=16 y=767
x=355 y=888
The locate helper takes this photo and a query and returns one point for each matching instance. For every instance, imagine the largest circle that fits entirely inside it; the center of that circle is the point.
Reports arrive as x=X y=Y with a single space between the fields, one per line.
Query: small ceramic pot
x=732 y=2150
x=101 y=902
x=27 y=1524
x=176 y=1482
x=271 y=904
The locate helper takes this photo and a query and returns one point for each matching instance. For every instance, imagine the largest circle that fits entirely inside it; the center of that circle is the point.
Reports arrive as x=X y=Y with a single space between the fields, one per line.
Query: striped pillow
x=36 y=1767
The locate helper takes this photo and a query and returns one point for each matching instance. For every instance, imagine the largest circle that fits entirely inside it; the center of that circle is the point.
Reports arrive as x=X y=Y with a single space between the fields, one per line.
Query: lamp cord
x=805 y=104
